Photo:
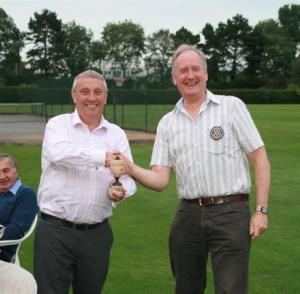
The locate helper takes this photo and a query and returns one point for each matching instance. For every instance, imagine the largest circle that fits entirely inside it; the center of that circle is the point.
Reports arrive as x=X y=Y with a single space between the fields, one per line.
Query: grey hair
x=184 y=47
x=10 y=157
x=89 y=74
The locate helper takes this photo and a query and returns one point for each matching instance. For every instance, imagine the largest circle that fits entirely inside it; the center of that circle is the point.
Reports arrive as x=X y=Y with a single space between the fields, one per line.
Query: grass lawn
x=139 y=260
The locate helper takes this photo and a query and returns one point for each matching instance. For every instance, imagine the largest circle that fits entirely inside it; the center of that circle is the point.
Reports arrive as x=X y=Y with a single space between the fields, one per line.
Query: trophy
x=117 y=169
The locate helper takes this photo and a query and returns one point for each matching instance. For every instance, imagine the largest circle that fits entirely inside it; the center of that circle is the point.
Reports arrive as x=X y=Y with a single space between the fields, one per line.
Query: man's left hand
x=116 y=193
x=258 y=224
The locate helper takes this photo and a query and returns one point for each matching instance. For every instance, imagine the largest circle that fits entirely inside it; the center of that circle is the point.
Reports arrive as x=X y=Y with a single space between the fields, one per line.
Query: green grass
x=139 y=260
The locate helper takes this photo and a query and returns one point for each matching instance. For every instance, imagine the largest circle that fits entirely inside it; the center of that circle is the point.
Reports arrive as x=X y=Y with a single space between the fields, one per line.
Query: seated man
x=16 y=280
x=18 y=206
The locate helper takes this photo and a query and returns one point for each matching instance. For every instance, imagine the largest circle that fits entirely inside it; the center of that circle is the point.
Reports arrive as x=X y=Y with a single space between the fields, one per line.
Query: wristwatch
x=262 y=209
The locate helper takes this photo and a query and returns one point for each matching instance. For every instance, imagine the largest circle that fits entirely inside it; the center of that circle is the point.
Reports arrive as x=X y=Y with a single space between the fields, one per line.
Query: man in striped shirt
x=207 y=139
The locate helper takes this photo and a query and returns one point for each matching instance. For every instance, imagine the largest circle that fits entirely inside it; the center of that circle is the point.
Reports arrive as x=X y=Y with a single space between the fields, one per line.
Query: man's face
x=90 y=98
x=8 y=174
x=189 y=75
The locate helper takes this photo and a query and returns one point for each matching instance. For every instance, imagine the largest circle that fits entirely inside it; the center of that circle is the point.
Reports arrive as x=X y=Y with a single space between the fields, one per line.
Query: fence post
x=122 y=109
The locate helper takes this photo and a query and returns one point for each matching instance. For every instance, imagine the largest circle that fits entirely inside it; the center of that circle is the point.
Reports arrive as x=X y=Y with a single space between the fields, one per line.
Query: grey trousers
x=65 y=256
x=221 y=231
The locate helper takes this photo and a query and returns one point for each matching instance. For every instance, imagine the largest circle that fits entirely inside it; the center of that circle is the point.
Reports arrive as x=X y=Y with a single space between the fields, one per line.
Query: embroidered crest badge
x=217 y=133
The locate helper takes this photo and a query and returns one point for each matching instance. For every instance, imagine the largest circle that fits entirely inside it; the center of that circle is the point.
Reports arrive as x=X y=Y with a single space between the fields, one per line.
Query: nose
x=190 y=74
x=91 y=97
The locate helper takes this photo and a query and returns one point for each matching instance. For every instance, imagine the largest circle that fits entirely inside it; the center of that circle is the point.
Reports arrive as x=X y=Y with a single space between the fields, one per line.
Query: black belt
x=66 y=223
x=208 y=201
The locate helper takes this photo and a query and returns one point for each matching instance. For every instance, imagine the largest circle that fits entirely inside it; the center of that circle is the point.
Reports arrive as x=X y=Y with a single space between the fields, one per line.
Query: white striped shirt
x=74 y=180
x=205 y=166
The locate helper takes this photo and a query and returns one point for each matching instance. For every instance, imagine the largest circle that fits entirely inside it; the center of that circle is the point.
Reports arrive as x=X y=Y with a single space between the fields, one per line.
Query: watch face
x=264 y=210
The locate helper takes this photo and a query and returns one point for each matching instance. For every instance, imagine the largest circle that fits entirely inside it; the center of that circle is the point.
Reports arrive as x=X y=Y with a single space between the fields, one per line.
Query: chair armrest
x=18 y=241
x=10 y=242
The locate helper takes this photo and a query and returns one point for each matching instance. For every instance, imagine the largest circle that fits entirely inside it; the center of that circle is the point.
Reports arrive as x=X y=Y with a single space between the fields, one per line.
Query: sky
x=152 y=15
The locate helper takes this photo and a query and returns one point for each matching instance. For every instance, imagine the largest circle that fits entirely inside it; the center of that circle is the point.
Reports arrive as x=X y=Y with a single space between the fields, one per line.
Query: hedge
x=23 y=94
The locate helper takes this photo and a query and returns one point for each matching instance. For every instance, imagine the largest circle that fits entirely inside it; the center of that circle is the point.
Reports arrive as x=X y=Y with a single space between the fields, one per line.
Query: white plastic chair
x=19 y=241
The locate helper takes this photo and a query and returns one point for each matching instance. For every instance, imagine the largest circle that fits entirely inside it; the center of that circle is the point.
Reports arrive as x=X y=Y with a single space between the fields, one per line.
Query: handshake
x=119 y=165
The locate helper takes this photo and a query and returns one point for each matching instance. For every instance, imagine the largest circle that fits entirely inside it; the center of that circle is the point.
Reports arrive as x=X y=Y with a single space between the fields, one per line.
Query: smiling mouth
x=91 y=106
x=191 y=84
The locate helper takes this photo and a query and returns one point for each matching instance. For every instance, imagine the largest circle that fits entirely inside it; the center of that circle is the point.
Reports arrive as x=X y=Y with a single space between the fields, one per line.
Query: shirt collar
x=77 y=121
x=210 y=97
x=14 y=189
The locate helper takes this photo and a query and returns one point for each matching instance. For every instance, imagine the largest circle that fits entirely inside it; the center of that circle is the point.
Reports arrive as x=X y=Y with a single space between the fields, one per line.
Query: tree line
x=239 y=55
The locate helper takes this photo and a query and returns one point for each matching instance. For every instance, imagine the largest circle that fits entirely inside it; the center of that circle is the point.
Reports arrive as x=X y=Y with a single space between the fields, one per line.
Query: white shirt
x=208 y=154
x=74 y=181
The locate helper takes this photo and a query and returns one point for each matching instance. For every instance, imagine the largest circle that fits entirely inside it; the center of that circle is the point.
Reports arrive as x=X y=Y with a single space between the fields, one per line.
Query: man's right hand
x=128 y=165
x=109 y=156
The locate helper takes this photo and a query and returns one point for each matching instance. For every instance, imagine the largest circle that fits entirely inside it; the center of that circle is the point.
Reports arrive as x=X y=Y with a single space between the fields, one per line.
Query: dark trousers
x=65 y=256
x=221 y=231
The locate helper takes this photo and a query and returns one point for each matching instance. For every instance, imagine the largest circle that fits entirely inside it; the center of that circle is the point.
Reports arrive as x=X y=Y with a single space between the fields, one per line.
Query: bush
x=62 y=95
x=263 y=96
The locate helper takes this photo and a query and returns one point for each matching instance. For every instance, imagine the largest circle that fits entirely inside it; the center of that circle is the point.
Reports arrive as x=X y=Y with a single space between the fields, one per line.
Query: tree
x=233 y=38
x=46 y=35
x=254 y=56
x=77 y=48
x=289 y=17
x=226 y=50
x=123 y=42
x=295 y=71
x=278 y=54
x=159 y=49
x=11 y=42
x=213 y=50
x=97 y=54
x=184 y=36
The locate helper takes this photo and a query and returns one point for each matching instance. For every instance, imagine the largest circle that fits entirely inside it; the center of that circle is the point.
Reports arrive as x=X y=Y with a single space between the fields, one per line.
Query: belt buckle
x=209 y=201
x=200 y=201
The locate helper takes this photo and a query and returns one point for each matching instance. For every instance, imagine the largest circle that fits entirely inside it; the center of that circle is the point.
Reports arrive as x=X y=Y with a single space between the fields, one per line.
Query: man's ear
x=173 y=79
x=17 y=172
x=73 y=97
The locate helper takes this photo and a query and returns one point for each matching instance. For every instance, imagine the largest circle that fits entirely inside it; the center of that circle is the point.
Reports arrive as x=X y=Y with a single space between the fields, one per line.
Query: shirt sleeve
x=59 y=149
x=160 y=153
x=245 y=129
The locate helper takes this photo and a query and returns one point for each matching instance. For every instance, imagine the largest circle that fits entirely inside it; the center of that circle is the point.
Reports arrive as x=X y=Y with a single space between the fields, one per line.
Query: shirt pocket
x=218 y=139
